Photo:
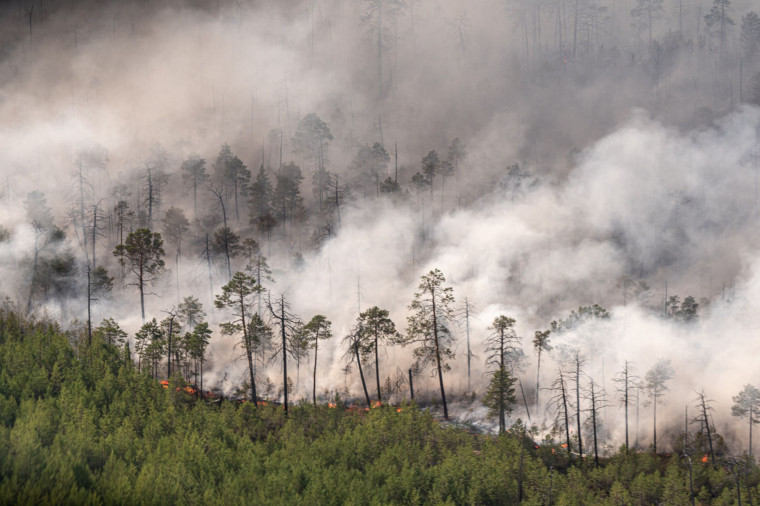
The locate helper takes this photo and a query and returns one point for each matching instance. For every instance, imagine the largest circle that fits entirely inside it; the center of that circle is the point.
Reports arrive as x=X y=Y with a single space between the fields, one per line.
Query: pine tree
x=427 y=327
x=238 y=296
x=142 y=254
x=318 y=328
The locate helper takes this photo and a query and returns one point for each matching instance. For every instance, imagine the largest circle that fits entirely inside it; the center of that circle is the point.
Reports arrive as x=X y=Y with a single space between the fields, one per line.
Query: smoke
x=620 y=181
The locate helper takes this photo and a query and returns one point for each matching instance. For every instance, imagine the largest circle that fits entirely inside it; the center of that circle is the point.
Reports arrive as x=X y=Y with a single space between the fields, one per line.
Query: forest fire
x=332 y=405
x=187 y=388
x=704 y=458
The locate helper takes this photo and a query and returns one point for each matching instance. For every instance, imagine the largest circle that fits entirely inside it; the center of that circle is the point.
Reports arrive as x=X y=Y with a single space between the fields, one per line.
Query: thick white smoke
x=607 y=193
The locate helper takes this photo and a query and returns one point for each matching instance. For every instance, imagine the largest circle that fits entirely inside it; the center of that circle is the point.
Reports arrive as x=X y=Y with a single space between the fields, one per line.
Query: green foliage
x=500 y=396
x=142 y=254
x=91 y=429
x=576 y=319
x=109 y=332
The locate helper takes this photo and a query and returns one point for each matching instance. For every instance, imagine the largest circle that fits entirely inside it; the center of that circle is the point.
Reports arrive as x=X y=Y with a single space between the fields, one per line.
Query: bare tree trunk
x=361 y=373
x=575 y=29
x=567 y=417
x=249 y=352
x=314 y=383
x=438 y=360
x=89 y=313
x=538 y=376
x=284 y=354
x=377 y=367
x=469 y=353
x=142 y=294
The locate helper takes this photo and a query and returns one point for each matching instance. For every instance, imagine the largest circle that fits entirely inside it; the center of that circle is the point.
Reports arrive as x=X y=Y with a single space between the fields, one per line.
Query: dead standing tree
x=626 y=381
x=704 y=408
x=598 y=401
x=288 y=325
x=226 y=230
x=560 y=401
x=655 y=384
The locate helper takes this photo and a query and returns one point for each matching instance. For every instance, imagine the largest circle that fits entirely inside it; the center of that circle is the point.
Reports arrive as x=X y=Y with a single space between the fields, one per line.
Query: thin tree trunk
x=361 y=373
x=438 y=360
x=538 y=376
x=567 y=417
x=626 y=408
x=284 y=354
x=654 y=405
x=314 y=386
x=94 y=231
x=248 y=350
x=89 y=320
x=469 y=353
x=377 y=368
x=142 y=295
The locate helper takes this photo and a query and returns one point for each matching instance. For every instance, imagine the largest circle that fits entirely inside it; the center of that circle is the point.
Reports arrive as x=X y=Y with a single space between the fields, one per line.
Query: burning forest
x=524 y=232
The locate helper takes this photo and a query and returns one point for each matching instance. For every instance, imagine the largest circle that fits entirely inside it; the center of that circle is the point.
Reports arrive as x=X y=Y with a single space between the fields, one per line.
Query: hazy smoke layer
x=633 y=181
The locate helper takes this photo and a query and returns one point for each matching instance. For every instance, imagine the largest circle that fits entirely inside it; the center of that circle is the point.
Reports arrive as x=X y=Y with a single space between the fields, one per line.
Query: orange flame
x=564 y=445
x=377 y=404
x=704 y=458
x=332 y=405
x=399 y=410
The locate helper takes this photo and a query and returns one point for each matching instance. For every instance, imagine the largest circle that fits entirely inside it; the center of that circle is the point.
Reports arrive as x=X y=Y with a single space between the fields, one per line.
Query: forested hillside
x=475 y=212
x=79 y=424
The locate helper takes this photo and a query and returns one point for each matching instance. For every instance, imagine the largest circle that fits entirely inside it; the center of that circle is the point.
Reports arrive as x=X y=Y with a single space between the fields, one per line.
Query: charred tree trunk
x=563 y=392
x=314 y=382
x=704 y=408
x=438 y=360
x=377 y=367
x=284 y=354
x=248 y=350
x=140 y=285
x=89 y=311
x=361 y=373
